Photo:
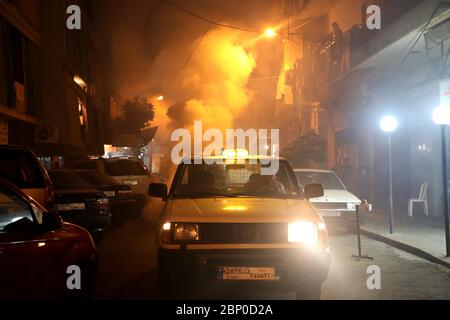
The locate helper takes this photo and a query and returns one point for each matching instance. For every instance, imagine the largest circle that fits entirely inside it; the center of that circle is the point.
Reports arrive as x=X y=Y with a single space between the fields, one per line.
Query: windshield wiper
x=201 y=193
x=245 y=194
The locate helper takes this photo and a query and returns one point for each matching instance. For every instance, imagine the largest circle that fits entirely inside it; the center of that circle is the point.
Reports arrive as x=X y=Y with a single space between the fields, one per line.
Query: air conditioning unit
x=47 y=134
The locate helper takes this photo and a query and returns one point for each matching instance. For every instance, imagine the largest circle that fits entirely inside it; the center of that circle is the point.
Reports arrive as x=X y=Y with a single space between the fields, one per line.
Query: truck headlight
x=186 y=232
x=302 y=232
x=165 y=232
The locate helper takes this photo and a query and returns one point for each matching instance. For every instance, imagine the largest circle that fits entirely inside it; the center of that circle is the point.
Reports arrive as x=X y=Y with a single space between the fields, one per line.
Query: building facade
x=53 y=96
x=347 y=77
x=395 y=70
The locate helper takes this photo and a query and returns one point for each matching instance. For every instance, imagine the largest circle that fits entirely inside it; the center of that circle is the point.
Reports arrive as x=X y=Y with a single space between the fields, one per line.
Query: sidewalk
x=425 y=239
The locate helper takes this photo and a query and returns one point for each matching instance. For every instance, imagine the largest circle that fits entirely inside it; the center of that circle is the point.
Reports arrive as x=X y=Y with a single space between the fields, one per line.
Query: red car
x=42 y=257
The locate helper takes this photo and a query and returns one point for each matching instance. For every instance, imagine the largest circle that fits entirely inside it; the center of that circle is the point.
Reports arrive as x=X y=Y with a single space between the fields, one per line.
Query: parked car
x=77 y=201
x=337 y=204
x=36 y=248
x=129 y=171
x=228 y=225
x=119 y=195
x=20 y=166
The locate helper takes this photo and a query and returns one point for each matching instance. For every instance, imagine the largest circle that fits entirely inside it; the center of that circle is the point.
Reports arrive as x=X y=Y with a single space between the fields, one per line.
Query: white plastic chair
x=423 y=197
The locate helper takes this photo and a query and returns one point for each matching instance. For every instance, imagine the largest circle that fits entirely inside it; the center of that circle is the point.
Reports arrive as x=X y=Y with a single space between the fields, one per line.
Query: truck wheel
x=309 y=291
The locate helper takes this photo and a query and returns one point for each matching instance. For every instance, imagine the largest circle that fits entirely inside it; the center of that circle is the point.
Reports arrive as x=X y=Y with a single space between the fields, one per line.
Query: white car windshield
x=329 y=180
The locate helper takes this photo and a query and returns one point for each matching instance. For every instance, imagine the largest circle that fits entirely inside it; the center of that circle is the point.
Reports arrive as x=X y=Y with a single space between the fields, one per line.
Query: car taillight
x=102 y=204
x=49 y=194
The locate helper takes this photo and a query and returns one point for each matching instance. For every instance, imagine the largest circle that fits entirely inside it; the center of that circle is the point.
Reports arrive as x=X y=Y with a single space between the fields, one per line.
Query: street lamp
x=389 y=124
x=270 y=33
x=441 y=116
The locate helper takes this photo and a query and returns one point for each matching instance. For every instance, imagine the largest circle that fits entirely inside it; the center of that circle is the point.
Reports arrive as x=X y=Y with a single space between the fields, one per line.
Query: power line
x=206 y=19
x=193 y=51
x=188 y=59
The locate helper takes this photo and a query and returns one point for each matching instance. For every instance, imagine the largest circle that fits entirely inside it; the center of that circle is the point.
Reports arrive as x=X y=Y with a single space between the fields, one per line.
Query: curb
x=407 y=248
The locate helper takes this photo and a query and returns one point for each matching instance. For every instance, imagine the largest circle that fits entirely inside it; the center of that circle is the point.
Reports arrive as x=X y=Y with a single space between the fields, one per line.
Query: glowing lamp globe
x=441 y=115
x=389 y=124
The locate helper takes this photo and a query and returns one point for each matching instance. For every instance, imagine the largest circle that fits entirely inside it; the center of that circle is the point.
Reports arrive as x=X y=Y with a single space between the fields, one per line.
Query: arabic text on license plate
x=71 y=206
x=245 y=273
x=110 y=194
x=330 y=213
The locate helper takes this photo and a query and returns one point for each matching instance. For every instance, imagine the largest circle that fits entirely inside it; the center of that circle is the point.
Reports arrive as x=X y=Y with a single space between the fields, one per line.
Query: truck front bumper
x=193 y=268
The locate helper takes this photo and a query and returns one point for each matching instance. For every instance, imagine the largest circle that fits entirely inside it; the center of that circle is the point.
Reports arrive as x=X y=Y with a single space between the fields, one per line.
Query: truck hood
x=241 y=210
x=337 y=196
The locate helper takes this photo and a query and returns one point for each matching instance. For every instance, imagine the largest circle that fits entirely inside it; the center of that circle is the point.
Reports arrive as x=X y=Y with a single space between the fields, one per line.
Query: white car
x=337 y=203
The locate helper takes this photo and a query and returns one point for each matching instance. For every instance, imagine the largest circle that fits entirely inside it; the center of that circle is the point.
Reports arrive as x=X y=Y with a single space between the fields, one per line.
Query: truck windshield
x=235 y=179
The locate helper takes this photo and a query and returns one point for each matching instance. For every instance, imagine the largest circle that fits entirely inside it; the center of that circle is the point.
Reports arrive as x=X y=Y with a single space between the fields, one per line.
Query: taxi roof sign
x=235 y=153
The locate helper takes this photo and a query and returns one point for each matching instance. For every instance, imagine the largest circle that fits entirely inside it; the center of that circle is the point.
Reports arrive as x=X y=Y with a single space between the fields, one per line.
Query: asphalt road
x=127 y=260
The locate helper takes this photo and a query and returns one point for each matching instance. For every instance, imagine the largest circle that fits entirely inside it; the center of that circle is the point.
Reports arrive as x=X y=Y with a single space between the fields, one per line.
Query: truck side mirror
x=158 y=190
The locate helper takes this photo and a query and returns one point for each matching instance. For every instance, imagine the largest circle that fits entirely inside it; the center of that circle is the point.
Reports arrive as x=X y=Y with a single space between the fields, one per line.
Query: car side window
x=12 y=209
x=20 y=169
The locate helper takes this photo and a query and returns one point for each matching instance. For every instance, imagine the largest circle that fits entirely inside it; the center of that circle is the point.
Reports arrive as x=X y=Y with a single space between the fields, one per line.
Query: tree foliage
x=307 y=148
x=135 y=115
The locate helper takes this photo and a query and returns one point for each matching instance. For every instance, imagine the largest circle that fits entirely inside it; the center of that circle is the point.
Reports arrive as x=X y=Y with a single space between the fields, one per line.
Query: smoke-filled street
x=128 y=269
x=217 y=150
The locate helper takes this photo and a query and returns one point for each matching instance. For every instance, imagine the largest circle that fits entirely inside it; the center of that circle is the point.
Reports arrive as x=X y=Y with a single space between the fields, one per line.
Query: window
x=84 y=165
x=328 y=180
x=67 y=180
x=12 y=209
x=19 y=70
x=97 y=178
x=3 y=64
x=124 y=168
x=235 y=179
x=20 y=169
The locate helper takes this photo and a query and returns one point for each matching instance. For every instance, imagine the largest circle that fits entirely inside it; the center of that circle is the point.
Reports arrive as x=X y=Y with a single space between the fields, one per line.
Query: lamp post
x=389 y=124
x=441 y=116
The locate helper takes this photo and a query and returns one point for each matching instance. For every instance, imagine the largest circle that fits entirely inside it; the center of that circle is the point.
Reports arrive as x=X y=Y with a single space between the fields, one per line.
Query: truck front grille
x=243 y=233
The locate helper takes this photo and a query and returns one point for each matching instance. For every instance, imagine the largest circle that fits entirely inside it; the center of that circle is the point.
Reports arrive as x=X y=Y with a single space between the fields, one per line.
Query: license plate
x=244 y=273
x=70 y=206
x=110 y=194
x=330 y=213
x=131 y=182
